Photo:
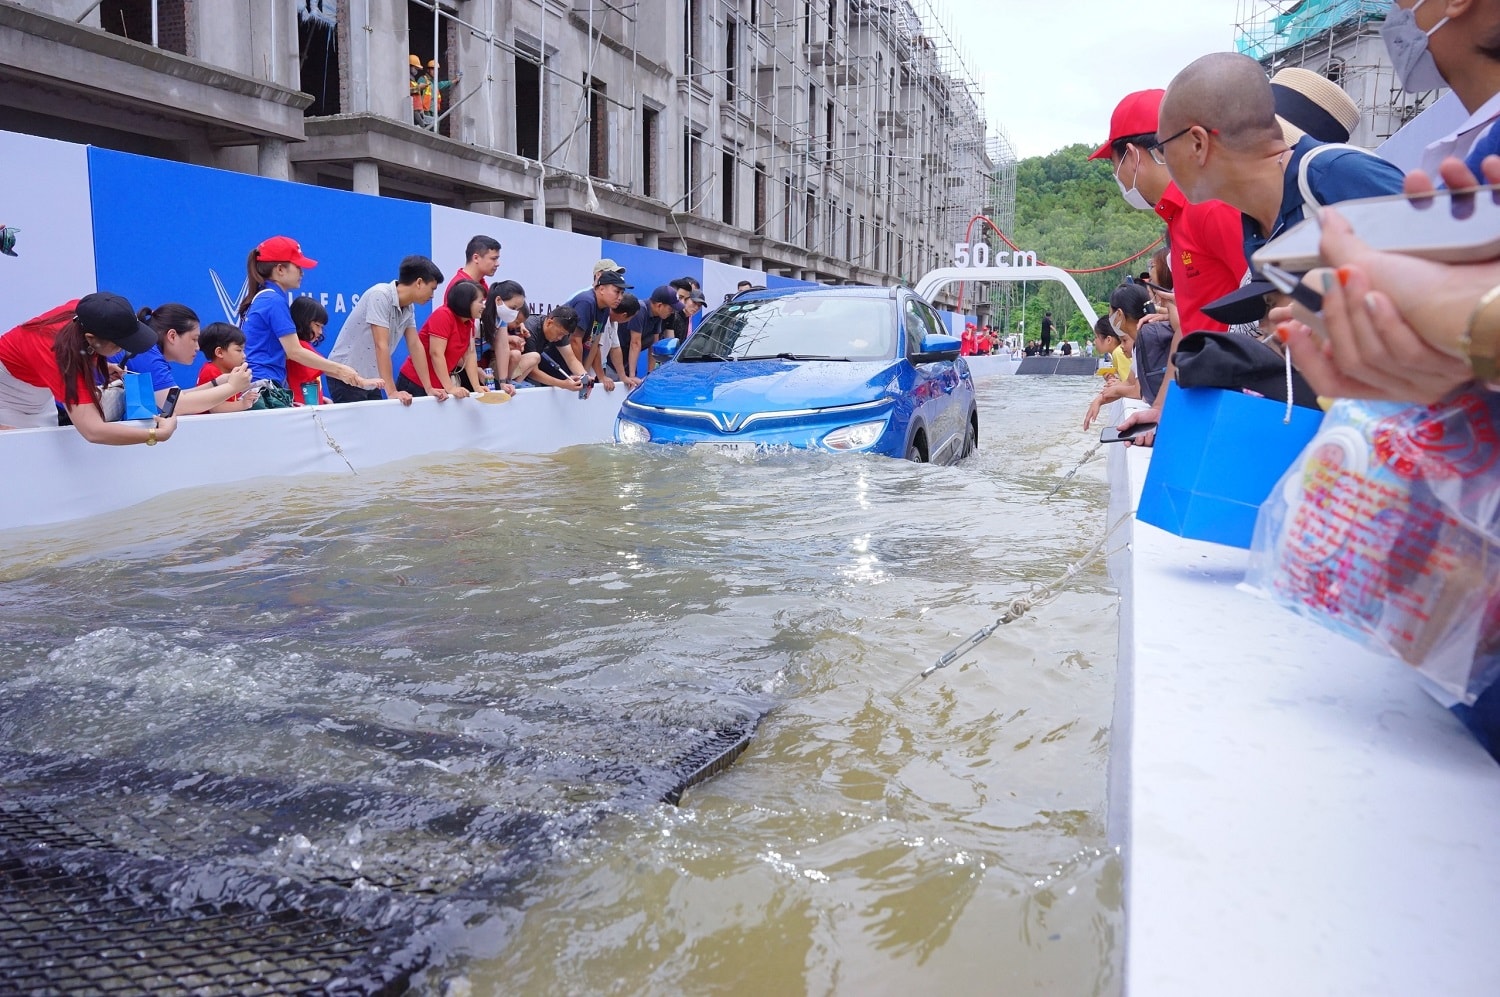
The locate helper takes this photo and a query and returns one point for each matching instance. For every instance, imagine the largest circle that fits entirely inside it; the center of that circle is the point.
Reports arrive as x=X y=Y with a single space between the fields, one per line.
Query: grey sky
x=1053 y=71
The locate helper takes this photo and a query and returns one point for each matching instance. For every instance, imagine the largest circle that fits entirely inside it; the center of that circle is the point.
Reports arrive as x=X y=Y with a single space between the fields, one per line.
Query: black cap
x=664 y=295
x=611 y=278
x=698 y=297
x=110 y=317
x=1242 y=306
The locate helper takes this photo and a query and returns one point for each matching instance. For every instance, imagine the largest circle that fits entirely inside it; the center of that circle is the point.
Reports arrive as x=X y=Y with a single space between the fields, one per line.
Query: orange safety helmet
x=416 y=63
x=432 y=64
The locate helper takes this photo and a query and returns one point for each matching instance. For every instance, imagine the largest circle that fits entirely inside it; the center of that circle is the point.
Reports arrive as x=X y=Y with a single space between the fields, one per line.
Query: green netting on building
x=1304 y=21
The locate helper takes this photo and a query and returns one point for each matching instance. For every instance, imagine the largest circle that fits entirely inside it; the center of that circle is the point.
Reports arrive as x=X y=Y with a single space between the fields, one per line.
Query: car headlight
x=631 y=432
x=855 y=437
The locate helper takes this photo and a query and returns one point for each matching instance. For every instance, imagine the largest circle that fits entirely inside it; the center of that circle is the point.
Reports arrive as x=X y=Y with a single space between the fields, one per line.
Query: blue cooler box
x=1217 y=457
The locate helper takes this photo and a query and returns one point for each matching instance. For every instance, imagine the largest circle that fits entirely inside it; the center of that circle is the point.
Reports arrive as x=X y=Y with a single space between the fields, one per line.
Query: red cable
x=969 y=234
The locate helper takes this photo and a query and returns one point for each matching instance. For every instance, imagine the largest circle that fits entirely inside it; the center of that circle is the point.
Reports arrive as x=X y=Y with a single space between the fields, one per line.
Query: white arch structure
x=938 y=279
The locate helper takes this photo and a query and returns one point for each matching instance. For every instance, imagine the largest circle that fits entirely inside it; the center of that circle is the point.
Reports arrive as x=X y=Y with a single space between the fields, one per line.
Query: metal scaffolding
x=1339 y=39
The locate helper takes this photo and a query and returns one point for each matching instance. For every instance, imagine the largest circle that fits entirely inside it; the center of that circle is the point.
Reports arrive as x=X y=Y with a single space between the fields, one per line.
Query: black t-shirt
x=1047 y=326
x=537 y=342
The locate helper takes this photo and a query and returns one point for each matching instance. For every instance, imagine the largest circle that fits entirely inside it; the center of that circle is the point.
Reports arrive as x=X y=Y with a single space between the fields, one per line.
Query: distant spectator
x=60 y=357
x=311 y=319
x=176 y=329
x=550 y=339
x=223 y=346
x=501 y=337
x=274 y=270
x=447 y=344
x=622 y=339
x=743 y=286
x=667 y=320
x=368 y=339
x=1066 y=348
x=481 y=261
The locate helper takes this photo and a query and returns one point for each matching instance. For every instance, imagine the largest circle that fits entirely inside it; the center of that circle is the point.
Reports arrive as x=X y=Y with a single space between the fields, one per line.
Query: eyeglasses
x=1156 y=148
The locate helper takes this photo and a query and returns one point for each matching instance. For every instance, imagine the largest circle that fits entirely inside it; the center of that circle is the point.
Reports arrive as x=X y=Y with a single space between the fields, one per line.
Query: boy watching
x=368 y=338
x=223 y=346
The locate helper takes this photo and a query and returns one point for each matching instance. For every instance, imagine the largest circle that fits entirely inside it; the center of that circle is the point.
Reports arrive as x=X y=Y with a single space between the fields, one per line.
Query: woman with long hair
x=500 y=334
x=274 y=270
x=176 y=328
x=59 y=359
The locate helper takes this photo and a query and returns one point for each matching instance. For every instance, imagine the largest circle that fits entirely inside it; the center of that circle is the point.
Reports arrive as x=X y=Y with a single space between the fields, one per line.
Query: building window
x=318 y=45
x=692 y=28
x=828 y=139
x=132 y=19
x=598 y=129
x=726 y=179
x=528 y=69
x=762 y=181
x=731 y=59
x=650 y=152
x=786 y=216
x=810 y=236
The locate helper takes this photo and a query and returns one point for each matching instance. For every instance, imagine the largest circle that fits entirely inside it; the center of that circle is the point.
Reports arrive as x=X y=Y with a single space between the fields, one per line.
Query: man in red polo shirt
x=1207 y=240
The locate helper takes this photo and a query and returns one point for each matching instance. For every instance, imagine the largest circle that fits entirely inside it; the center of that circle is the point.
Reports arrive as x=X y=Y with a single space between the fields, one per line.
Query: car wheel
x=915 y=452
x=971 y=440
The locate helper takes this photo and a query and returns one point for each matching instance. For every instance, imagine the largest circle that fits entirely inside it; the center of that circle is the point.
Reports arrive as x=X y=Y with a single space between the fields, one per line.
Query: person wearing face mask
x=501 y=336
x=368 y=337
x=1129 y=315
x=1451 y=43
x=1207 y=258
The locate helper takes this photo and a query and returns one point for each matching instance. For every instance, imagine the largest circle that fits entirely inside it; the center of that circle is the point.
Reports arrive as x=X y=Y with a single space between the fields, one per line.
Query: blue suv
x=832 y=368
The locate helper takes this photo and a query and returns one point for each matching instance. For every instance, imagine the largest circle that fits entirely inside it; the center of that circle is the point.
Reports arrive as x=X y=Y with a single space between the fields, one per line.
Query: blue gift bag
x=1217 y=457
x=140 y=399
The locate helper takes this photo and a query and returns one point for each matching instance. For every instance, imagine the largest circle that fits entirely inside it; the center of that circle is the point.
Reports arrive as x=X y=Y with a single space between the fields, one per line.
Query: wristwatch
x=215 y=382
x=1481 y=340
x=151 y=437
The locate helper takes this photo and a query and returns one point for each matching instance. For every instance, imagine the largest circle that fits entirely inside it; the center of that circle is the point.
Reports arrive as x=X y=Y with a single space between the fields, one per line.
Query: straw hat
x=1308 y=103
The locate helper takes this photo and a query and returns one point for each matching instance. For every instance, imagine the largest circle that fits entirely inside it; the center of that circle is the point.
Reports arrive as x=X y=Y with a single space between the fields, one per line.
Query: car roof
x=826 y=290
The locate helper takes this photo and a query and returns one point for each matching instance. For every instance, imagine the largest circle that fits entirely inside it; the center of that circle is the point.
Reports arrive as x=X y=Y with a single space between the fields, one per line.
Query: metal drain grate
x=100 y=894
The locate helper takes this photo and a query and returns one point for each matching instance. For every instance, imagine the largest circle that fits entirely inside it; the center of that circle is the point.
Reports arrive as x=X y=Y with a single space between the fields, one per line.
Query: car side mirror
x=938 y=349
x=665 y=349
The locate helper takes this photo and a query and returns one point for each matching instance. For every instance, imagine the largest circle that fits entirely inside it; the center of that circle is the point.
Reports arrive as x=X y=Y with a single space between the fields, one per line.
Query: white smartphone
x=1448 y=227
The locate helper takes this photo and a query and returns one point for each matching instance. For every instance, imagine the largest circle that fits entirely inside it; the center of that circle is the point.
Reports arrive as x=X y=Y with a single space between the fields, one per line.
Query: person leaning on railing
x=60 y=359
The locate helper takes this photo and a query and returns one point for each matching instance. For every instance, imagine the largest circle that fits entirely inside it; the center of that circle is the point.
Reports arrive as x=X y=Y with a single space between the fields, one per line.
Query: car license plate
x=732 y=448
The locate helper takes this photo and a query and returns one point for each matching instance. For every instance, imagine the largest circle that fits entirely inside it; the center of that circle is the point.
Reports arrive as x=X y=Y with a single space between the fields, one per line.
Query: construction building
x=843 y=140
x=1339 y=39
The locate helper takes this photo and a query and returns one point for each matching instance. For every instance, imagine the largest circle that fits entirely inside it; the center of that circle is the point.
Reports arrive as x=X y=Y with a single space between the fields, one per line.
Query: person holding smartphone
x=60 y=359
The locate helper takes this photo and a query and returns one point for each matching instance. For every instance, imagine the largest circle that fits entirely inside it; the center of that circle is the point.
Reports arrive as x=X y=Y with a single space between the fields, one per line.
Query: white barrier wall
x=44 y=193
x=68 y=478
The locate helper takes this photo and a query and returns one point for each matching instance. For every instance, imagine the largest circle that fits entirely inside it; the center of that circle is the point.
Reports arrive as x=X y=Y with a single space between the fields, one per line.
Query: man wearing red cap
x=1207 y=242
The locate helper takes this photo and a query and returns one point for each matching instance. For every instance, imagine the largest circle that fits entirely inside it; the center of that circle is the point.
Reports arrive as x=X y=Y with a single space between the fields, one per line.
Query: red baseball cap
x=1136 y=114
x=280 y=249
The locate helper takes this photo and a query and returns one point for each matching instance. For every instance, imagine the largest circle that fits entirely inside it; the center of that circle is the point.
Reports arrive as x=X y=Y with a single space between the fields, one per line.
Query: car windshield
x=797 y=327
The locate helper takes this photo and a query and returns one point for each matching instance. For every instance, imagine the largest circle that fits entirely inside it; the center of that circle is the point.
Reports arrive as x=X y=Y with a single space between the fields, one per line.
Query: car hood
x=746 y=386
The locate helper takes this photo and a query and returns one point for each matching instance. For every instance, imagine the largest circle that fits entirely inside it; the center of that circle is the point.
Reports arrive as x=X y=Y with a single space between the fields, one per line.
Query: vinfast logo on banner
x=167 y=231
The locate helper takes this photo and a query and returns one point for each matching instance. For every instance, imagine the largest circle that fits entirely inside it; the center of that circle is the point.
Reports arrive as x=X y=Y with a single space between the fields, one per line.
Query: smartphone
x=1147 y=283
x=1109 y=434
x=587 y=387
x=170 y=405
x=1448 y=227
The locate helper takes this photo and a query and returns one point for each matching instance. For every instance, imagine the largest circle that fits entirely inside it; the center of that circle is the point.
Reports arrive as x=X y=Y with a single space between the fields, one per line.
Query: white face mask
x=1406 y=44
x=505 y=315
x=1133 y=197
x=1114 y=324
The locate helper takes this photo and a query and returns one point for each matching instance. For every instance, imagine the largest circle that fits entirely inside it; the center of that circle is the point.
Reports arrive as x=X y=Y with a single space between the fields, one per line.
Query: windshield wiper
x=798 y=356
x=718 y=357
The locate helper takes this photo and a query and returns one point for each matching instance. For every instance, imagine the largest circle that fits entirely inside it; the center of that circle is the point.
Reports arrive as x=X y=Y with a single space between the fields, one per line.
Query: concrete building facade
x=836 y=140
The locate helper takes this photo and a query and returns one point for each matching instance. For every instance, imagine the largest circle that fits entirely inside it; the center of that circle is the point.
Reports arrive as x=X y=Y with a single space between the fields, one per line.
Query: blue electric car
x=832 y=368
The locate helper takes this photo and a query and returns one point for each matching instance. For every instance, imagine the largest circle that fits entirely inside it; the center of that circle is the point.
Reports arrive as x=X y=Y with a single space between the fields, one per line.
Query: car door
x=941 y=412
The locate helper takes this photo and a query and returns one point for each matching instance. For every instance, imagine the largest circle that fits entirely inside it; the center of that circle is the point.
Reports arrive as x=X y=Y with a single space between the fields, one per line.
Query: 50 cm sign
x=978 y=255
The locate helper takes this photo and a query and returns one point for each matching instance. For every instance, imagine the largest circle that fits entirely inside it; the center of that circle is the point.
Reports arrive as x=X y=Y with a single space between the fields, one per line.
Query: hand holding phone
x=170 y=405
x=1110 y=434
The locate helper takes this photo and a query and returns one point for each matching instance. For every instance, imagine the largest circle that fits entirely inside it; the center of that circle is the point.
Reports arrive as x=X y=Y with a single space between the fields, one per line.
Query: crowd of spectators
x=68 y=366
x=1230 y=159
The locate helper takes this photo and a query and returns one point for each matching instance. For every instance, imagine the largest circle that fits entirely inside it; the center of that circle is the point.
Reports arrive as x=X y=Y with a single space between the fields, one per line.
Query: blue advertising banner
x=777 y=282
x=166 y=231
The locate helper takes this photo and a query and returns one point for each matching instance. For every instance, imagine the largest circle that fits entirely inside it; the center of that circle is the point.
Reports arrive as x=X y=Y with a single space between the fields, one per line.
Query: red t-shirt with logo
x=1207 y=255
x=26 y=351
x=442 y=324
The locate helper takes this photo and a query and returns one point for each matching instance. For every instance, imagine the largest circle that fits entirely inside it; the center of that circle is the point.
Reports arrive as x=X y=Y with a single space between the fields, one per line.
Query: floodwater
x=530 y=635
